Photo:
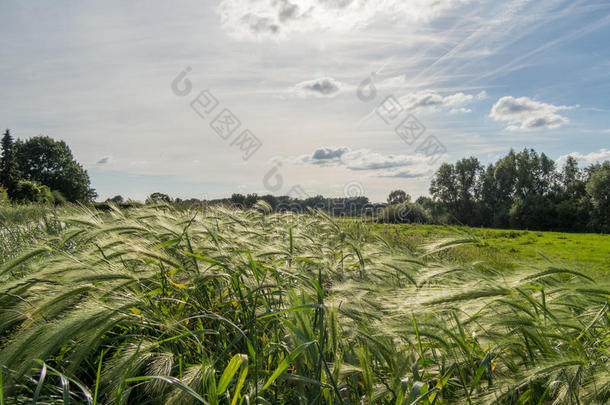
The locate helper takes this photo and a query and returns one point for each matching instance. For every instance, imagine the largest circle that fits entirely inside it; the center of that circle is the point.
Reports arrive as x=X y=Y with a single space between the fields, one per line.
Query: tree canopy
x=9 y=171
x=524 y=190
x=27 y=166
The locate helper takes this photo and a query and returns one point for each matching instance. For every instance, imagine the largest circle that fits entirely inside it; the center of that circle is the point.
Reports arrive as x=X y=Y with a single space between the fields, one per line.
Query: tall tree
x=443 y=188
x=9 y=173
x=598 y=188
x=467 y=175
x=398 y=196
x=49 y=162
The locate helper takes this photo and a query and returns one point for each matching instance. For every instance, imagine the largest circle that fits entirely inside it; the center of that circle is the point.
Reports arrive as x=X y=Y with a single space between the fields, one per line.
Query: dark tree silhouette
x=9 y=172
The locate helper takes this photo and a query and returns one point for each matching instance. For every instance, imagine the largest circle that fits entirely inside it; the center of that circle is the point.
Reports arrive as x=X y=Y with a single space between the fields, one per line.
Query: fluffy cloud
x=323 y=87
x=259 y=19
x=585 y=159
x=428 y=99
x=524 y=113
x=404 y=166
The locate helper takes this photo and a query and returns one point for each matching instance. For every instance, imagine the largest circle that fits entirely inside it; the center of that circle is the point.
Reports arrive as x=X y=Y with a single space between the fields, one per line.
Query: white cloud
x=260 y=19
x=431 y=100
x=404 y=166
x=323 y=87
x=585 y=159
x=523 y=113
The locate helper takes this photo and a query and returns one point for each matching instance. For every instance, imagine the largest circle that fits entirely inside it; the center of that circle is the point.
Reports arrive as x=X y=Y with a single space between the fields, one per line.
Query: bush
x=3 y=195
x=58 y=197
x=404 y=213
x=27 y=191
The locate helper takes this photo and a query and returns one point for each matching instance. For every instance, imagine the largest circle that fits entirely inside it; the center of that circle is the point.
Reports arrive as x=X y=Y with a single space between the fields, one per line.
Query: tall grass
x=157 y=306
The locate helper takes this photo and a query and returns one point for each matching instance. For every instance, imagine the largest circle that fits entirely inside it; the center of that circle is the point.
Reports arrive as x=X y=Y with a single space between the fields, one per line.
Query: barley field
x=156 y=305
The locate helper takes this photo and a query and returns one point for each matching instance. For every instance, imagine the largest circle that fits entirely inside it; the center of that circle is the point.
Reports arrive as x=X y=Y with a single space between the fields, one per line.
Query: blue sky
x=481 y=77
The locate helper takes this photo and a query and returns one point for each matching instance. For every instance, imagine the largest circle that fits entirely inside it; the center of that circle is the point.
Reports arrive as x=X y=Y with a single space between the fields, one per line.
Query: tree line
x=523 y=190
x=42 y=170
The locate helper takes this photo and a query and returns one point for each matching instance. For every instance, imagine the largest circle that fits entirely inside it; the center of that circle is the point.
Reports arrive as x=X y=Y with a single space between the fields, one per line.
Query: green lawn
x=584 y=250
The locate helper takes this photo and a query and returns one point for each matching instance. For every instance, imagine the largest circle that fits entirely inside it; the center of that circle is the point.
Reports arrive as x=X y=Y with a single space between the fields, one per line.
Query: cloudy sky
x=205 y=98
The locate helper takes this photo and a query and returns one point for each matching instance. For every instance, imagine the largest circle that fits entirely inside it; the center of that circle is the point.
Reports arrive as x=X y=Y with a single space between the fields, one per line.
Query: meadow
x=587 y=250
x=156 y=305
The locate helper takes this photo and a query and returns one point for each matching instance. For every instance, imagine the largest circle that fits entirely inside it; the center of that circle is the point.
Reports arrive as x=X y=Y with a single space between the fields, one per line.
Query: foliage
x=154 y=305
x=49 y=162
x=58 y=197
x=404 y=213
x=598 y=188
x=27 y=191
x=3 y=196
x=9 y=173
x=522 y=190
x=155 y=198
x=116 y=199
x=398 y=196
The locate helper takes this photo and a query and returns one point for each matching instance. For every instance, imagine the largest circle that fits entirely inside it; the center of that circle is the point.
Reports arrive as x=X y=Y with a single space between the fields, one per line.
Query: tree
x=398 y=196
x=251 y=199
x=9 y=172
x=467 y=174
x=598 y=188
x=157 y=197
x=572 y=179
x=117 y=199
x=238 y=200
x=49 y=162
x=443 y=188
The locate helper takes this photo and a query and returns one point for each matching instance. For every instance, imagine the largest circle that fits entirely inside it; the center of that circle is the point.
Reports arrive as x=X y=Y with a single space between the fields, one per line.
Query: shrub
x=404 y=213
x=58 y=197
x=28 y=191
x=3 y=195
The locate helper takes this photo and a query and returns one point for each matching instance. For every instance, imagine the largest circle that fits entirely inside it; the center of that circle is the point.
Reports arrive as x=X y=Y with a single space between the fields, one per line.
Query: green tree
x=49 y=162
x=158 y=198
x=117 y=199
x=398 y=197
x=467 y=174
x=444 y=189
x=9 y=172
x=598 y=188
x=503 y=185
x=238 y=200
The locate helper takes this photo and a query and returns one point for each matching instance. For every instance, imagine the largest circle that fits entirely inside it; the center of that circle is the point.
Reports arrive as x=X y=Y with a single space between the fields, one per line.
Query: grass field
x=578 y=249
x=159 y=306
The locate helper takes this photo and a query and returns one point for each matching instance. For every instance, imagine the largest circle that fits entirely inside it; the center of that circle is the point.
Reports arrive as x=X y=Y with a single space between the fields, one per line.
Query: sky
x=202 y=99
